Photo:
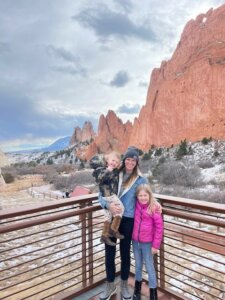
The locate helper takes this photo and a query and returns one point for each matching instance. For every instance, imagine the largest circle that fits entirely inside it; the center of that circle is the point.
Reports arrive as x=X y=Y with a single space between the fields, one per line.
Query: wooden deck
x=94 y=294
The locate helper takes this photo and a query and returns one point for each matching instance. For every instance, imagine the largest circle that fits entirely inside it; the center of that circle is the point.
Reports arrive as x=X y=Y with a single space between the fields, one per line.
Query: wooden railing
x=192 y=256
x=52 y=250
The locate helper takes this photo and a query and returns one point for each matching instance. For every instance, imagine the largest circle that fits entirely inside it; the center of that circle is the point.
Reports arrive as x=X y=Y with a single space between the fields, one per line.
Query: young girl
x=146 y=239
x=107 y=178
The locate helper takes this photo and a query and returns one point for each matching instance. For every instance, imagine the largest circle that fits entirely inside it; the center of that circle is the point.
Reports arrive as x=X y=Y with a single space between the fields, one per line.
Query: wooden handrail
x=193 y=217
x=43 y=206
x=43 y=220
x=198 y=204
x=164 y=199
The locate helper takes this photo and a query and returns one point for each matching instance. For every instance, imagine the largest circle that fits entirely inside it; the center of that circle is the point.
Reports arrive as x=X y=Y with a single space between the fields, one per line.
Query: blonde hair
x=112 y=154
x=152 y=201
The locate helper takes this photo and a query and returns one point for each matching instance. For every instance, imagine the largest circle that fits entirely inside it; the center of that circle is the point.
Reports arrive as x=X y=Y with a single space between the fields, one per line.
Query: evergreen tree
x=182 y=150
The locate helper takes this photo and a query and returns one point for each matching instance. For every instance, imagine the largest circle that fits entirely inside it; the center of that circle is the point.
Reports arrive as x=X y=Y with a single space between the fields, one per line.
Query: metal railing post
x=161 y=260
x=90 y=246
x=84 y=247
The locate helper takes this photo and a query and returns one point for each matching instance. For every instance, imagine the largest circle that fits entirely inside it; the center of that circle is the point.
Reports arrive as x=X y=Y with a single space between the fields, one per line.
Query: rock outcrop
x=2 y=181
x=82 y=135
x=113 y=134
x=3 y=160
x=186 y=96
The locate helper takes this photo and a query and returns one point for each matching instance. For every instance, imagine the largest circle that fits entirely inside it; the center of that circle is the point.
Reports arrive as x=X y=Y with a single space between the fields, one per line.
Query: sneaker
x=125 y=294
x=110 y=289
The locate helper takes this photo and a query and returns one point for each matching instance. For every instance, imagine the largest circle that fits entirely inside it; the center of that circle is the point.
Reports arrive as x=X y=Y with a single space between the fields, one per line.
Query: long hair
x=152 y=201
x=132 y=176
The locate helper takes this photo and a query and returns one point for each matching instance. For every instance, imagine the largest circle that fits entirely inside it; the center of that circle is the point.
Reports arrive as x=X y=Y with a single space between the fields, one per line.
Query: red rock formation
x=81 y=135
x=186 y=96
x=76 y=137
x=87 y=132
x=112 y=135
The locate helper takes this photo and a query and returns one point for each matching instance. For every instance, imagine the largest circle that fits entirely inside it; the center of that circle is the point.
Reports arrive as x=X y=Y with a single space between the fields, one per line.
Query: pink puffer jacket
x=147 y=227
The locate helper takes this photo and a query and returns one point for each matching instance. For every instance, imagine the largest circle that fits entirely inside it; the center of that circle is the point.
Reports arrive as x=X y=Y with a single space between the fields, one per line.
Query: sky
x=64 y=62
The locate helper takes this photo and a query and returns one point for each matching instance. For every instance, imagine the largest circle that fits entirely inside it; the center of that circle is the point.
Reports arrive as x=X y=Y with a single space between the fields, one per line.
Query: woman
x=130 y=178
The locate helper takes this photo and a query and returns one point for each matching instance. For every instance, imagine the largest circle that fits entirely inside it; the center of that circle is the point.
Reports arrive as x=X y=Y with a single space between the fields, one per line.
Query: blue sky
x=65 y=62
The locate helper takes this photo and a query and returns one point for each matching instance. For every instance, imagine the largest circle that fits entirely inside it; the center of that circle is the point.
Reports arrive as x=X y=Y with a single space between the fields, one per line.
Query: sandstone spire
x=81 y=135
x=186 y=96
x=112 y=135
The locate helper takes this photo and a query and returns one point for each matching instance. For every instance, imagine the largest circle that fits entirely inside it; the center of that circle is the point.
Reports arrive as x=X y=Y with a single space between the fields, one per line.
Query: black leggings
x=126 y=228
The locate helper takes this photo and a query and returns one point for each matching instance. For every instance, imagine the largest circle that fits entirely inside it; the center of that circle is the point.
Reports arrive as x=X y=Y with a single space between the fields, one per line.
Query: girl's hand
x=115 y=208
x=154 y=251
x=110 y=168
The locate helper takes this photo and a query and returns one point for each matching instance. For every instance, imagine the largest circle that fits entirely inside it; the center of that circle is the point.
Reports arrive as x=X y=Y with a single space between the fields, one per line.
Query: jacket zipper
x=139 y=229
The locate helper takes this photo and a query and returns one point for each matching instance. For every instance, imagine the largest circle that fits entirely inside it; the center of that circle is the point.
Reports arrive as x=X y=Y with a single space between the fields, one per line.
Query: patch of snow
x=209 y=174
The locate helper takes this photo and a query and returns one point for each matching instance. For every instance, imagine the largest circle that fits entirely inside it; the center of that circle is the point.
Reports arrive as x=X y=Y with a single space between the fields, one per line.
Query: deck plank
x=144 y=291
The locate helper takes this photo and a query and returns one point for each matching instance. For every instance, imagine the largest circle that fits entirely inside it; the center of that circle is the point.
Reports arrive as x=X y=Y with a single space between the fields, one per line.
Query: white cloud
x=57 y=59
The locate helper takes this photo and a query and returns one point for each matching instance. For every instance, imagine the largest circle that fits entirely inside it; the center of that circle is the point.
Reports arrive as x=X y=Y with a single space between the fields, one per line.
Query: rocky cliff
x=3 y=160
x=112 y=134
x=82 y=135
x=186 y=95
x=2 y=181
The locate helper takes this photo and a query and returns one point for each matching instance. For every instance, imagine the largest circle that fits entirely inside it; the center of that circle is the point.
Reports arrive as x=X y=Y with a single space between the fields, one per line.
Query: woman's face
x=130 y=164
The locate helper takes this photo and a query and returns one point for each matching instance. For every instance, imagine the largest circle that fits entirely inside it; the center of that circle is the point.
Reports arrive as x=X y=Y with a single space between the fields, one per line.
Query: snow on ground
x=211 y=173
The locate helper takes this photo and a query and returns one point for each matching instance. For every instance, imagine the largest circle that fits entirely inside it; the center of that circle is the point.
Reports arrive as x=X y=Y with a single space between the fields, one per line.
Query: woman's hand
x=154 y=251
x=115 y=209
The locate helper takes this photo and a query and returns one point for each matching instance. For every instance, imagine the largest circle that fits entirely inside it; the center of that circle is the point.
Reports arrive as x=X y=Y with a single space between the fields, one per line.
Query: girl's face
x=130 y=164
x=143 y=197
x=113 y=162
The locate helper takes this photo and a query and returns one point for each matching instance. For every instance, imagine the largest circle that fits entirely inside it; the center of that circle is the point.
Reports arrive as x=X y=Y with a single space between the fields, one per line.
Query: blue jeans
x=143 y=255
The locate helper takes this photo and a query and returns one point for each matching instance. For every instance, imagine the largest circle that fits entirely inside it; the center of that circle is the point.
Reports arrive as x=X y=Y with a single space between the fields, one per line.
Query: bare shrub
x=9 y=170
x=212 y=196
x=204 y=164
x=176 y=173
x=60 y=182
x=191 y=177
x=191 y=193
x=50 y=176
x=67 y=168
x=8 y=177
x=45 y=169
x=212 y=182
x=146 y=165
x=168 y=173
x=27 y=169
x=70 y=182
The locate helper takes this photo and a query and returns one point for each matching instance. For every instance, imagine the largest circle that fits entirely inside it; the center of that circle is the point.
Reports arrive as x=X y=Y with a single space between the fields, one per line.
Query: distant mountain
x=59 y=144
